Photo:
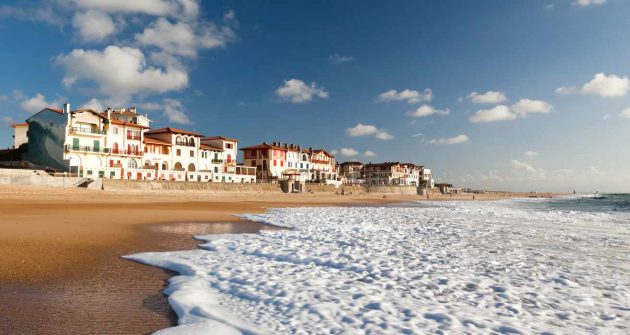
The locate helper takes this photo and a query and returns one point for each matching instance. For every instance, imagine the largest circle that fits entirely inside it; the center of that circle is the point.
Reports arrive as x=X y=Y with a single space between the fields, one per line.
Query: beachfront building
x=118 y=143
x=20 y=134
x=323 y=166
x=269 y=160
x=392 y=173
x=351 y=172
x=426 y=178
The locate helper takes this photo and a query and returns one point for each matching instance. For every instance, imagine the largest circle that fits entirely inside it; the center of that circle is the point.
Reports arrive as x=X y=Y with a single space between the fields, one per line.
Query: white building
x=20 y=134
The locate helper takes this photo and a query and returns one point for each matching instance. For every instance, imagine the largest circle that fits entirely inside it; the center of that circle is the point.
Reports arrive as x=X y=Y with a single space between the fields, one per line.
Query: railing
x=184 y=144
x=230 y=161
x=134 y=138
x=86 y=131
x=318 y=161
x=126 y=152
x=217 y=161
x=86 y=148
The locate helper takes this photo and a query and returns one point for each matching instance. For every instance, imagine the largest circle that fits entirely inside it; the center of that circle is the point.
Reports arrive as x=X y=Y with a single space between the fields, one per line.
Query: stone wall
x=38 y=178
x=159 y=185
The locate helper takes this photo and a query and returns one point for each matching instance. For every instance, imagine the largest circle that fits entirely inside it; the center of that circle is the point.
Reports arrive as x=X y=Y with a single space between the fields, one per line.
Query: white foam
x=475 y=267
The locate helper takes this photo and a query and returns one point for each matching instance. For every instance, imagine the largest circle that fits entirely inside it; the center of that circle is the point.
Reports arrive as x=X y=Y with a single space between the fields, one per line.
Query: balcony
x=86 y=149
x=217 y=161
x=133 y=138
x=124 y=152
x=86 y=131
x=230 y=161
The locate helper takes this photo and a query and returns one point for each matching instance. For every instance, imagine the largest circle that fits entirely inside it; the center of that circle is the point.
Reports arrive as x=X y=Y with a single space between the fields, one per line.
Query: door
x=75 y=144
x=97 y=146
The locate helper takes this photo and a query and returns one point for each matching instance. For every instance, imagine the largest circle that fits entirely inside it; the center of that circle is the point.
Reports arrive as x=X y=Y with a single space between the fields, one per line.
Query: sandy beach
x=61 y=248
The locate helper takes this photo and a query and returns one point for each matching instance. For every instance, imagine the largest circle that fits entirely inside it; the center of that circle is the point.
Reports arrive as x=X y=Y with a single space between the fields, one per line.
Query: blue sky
x=514 y=95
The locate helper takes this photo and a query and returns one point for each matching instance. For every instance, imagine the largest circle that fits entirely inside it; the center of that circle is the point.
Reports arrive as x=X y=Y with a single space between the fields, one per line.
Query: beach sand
x=60 y=251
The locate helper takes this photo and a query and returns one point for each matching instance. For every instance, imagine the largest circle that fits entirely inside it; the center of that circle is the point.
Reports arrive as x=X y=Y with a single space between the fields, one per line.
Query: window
x=192 y=153
x=179 y=152
x=216 y=155
x=115 y=130
x=216 y=169
x=275 y=163
x=228 y=145
x=132 y=164
x=75 y=143
x=282 y=163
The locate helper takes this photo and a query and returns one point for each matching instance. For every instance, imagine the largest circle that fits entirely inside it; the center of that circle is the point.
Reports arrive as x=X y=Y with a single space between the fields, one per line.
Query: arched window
x=178 y=140
x=304 y=157
x=147 y=164
x=191 y=142
x=132 y=164
x=164 y=166
x=191 y=167
x=178 y=166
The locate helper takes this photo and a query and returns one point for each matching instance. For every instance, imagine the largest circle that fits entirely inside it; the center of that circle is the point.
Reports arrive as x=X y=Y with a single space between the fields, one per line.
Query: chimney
x=132 y=109
x=66 y=108
x=265 y=143
x=109 y=113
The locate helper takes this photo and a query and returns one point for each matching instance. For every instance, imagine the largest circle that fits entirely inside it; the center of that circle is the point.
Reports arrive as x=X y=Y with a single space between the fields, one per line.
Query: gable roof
x=124 y=123
x=151 y=140
x=209 y=147
x=220 y=138
x=173 y=131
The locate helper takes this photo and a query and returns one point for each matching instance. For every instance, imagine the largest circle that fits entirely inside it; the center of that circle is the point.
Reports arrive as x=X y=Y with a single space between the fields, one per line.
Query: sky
x=510 y=95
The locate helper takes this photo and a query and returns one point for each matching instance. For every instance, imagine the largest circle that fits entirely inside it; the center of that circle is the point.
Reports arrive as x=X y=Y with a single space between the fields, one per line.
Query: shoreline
x=62 y=249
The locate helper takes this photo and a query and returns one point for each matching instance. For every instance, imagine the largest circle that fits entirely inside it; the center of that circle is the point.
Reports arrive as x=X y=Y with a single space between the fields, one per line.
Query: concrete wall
x=38 y=178
x=405 y=190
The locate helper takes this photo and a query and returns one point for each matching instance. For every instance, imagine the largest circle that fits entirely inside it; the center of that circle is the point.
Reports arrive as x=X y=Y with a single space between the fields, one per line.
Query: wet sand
x=60 y=252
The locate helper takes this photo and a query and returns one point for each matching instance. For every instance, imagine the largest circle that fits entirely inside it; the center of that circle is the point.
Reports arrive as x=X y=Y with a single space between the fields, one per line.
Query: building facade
x=392 y=173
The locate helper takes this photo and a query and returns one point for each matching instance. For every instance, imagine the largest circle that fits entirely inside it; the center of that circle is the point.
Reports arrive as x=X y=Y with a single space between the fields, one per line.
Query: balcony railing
x=184 y=144
x=217 y=161
x=230 y=161
x=126 y=152
x=86 y=149
x=134 y=138
x=80 y=130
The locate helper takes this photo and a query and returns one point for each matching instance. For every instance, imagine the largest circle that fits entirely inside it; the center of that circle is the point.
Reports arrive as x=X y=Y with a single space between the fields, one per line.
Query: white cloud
x=490 y=97
x=625 y=113
x=520 y=109
x=526 y=106
x=185 y=38
x=152 y=106
x=602 y=85
x=93 y=25
x=120 y=72
x=175 y=112
x=586 y=3
x=531 y=153
x=411 y=96
x=296 y=91
x=348 y=152
x=427 y=110
x=334 y=152
x=367 y=130
x=37 y=103
x=498 y=113
x=172 y=8
x=369 y=153
x=459 y=139
x=418 y=135
x=526 y=170
x=339 y=59
x=93 y=104
x=7 y=120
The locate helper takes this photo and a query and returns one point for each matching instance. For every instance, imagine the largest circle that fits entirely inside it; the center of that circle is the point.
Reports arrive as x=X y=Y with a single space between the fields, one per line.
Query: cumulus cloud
x=185 y=38
x=348 y=152
x=527 y=170
x=38 y=102
x=175 y=112
x=427 y=110
x=602 y=85
x=369 y=153
x=520 y=109
x=459 y=139
x=119 y=72
x=339 y=59
x=93 y=25
x=495 y=114
x=93 y=104
x=188 y=8
x=625 y=113
x=411 y=96
x=368 y=130
x=586 y=3
x=490 y=97
x=296 y=91
x=531 y=153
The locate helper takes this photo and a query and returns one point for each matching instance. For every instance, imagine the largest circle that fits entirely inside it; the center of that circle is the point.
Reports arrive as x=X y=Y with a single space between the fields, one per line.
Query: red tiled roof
x=264 y=146
x=123 y=123
x=210 y=147
x=15 y=125
x=220 y=138
x=56 y=110
x=173 y=131
x=152 y=140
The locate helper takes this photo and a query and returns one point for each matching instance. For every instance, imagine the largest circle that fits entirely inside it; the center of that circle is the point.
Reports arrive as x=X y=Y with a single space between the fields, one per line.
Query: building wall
x=20 y=135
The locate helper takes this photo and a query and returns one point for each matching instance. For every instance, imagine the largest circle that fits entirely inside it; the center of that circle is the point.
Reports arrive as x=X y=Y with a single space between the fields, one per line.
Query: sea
x=519 y=266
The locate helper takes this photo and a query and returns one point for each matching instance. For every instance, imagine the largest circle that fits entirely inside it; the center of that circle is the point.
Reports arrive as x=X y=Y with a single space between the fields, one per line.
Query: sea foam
x=473 y=267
